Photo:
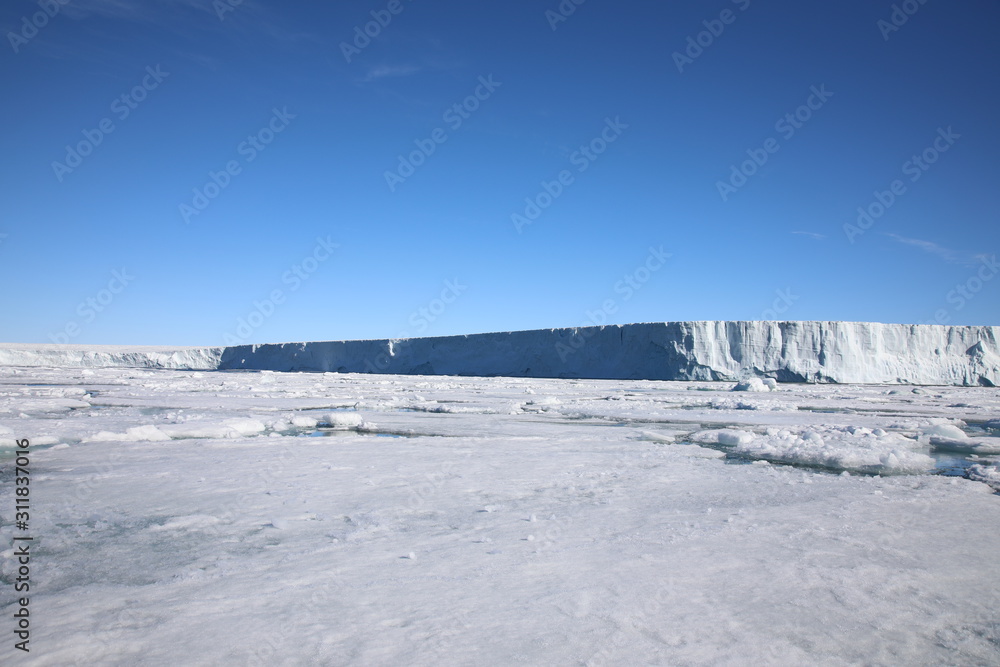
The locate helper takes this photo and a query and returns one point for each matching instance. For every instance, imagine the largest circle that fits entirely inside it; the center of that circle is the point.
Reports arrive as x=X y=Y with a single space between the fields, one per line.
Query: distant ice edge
x=110 y=356
x=842 y=352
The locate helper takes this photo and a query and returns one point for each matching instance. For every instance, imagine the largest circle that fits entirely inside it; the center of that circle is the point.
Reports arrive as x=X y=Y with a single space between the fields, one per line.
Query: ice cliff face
x=788 y=351
x=101 y=356
x=857 y=352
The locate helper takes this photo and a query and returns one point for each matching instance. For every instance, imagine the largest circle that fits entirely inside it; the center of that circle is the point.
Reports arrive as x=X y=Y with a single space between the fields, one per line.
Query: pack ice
x=254 y=517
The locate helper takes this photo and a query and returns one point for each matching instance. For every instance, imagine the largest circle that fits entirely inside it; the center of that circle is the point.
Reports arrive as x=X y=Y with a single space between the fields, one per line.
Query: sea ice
x=187 y=519
x=988 y=474
x=756 y=384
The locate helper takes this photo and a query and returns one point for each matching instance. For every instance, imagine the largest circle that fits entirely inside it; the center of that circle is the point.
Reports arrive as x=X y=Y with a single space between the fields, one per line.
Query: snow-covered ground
x=215 y=518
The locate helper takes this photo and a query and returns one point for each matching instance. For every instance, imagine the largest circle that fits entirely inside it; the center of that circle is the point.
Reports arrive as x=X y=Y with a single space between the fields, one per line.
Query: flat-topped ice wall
x=110 y=356
x=861 y=352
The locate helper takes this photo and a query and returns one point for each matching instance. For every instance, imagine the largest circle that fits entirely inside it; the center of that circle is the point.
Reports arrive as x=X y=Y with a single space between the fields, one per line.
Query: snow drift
x=844 y=352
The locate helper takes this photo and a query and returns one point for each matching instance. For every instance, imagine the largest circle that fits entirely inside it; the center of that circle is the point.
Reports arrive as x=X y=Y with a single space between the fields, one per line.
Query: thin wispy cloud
x=384 y=71
x=946 y=254
x=248 y=20
x=129 y=10
x=812 y=235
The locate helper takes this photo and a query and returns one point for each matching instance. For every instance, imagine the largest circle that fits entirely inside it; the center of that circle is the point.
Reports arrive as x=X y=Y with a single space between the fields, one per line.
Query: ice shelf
x=842 y=352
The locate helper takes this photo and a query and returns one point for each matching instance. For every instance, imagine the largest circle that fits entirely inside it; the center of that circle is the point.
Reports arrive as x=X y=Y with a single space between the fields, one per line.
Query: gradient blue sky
x=656 y=185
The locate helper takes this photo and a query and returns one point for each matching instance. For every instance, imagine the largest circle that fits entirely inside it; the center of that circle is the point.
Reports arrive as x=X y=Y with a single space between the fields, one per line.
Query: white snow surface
x=988 y=474
x=261 y=518
x=835 y=447
x=844 y=352
x=756 y=385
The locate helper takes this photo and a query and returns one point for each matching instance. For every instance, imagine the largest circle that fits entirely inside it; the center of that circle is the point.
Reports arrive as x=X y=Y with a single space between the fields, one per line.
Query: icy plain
x=268 y=518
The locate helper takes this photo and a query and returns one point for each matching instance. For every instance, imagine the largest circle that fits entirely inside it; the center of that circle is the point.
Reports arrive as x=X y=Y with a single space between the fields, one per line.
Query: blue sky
x=270 y=175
